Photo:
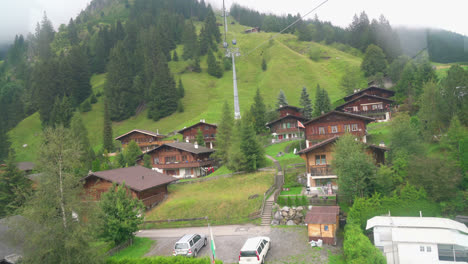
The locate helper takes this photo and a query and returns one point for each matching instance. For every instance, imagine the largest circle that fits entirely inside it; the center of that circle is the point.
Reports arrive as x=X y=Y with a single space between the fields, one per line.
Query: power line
x=293 y=23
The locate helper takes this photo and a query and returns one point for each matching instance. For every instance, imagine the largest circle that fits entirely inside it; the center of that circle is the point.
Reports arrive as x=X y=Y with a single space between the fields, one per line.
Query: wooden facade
x=373 y=90
x=147 y=140
x=289 y=110
x=181 y=159
x=286 y=128
x=334 y=124
x=209 y=133
x=376 y=107
x=323 y=223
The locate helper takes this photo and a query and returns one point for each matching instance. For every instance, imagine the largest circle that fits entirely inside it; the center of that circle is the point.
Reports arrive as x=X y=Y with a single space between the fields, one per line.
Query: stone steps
x=267 y=213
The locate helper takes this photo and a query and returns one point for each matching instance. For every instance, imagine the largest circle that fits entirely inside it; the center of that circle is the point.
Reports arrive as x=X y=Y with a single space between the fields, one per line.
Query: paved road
x=289 y=245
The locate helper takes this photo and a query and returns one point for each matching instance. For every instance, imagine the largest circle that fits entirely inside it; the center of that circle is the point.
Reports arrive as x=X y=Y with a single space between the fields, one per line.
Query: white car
x=189 y=245
x=254 y=250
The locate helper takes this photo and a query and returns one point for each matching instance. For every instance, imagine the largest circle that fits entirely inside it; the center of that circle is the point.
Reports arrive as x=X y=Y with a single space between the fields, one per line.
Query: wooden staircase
x=267 y=213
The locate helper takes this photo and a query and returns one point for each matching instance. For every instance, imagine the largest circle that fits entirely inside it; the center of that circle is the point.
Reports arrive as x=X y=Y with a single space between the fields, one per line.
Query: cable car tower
x=232 y=52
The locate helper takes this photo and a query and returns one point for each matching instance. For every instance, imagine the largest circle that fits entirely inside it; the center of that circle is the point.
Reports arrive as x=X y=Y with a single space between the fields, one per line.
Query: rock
x=300 y=208
x=253 y=196
x=285 y=209
x=297 y=221
x=283 y=222
x=290 y=223
x=278 y=215
x=284 y=213
x=275 y=222
x=292 y=213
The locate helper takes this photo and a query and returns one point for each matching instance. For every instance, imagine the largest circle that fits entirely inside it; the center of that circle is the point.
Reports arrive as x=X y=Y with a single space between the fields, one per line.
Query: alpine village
x=185 y=131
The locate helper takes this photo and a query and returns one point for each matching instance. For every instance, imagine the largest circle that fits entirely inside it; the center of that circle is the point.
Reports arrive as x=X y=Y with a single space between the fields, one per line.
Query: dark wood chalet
x=319 y=156
x=289 y=110
x=372 y=90
x=373 y=106
x=147 y=185
x=181 y=159
x=286 y=128
x=334 y=124
x=147 y=140
x=208 y=130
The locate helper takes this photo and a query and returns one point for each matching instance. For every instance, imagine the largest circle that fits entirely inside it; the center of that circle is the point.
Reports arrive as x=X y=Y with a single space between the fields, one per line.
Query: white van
x=254 y=250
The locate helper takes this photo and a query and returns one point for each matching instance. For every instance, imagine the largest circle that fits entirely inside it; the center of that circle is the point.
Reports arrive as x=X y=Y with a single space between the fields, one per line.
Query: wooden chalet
x=335 y=123
x=373 y=106
x=286 y=128
x=182 y=159
x=372 y=90
x=323 y=223
x=208 y=130
x=147 y=185
x=289 y=110
x=147 y=140
x=319 y=156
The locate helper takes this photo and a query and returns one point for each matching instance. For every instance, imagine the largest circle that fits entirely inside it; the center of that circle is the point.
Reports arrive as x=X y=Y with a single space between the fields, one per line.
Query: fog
x=21 y=16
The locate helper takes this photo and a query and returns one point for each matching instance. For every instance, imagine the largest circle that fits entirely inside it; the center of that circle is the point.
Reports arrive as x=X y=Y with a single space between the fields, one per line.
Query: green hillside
x=289 y=69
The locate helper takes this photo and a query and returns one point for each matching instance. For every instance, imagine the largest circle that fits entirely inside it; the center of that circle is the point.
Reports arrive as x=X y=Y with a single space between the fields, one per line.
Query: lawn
x=140 y=246
x=287 y=158
x=292 y=191
x=224 y=200
x=379 y=132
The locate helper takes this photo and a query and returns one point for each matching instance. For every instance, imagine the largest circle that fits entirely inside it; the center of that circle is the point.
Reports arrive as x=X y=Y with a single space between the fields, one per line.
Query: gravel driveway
x=289 y=244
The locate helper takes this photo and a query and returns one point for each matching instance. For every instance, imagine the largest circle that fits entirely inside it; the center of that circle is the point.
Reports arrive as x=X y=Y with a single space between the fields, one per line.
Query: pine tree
x=108 y=142
x=200 y=139
x=196 y=65
x=4 y=142
x=214 y=69
x=72 y=32
x=78 y=82
x=62 y=112
x=322 y=102
x=190 y=41
x=175 y=57
x=210 y=25
x=326 y=102
x=224 y=134
x=180 y=106
x=264 y=65
x=258 y=111
x=80 y=134
x=306 y=104
x=281 y=101
x=131 y=153
x=101 y=50
x=251 y=148
x=45 y=87
x=44 y=36
x=180 y=89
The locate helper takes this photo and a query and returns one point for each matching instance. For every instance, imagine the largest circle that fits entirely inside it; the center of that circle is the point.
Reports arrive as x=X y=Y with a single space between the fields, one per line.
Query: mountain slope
x=289 y=69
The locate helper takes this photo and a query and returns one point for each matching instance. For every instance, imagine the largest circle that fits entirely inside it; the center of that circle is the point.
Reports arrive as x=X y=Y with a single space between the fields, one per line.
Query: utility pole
x=225 y=25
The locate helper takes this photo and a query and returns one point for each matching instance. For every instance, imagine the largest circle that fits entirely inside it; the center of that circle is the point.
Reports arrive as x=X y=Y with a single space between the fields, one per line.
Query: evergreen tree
x=429 y=111
x=78 y=80
x=120 y=160
x=326 y=102
x=108 y=142
x=14 y=187
x=72 y=32
x=4 y=142
x=210 y=25
x=352 y=80
x=200 y=139
x=258 y=111
x=45 y=87
x=101 y=50
x=374 y=61
x=236 y=160
x=306 y=104
x=85 y=106
x=196 y=65
x=44 y=36
x=147 y=161
x=190 y=41
x=264 y=65
x=251 y=148
x=80 y=134
x=224 y=134
x=175 y=57
x=93 y=99
x=62 y=112
x=180 y=89
x=180 y=106
x=214 y=69
x=131 y=153
x=322 y=102
x=281 y=101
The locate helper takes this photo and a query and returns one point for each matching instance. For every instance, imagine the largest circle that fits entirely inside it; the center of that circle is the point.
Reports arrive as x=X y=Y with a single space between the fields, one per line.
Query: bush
x=314 y=54
x=85 y=106
x=297 y=201
x=290 y=202
x=93 y=99
x=358 y=248
x=227 y=62
x=305 y=201
x=162 y=260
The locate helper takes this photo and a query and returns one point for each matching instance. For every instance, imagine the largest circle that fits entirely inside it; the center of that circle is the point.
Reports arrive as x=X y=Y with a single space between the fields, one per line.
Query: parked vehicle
x=189 y=245
x=254 y=250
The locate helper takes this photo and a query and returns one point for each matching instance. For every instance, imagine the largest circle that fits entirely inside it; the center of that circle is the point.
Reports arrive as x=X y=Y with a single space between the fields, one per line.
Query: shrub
x=314 y=54
x=297 y=201
x=358 y=248
x=85 y=106
x=305 y=201
x=290 y=202
x=93 y=99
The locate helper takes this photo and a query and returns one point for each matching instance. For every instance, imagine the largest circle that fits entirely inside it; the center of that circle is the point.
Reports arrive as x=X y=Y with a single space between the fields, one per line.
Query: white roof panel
x=416 y=222
x=429 y=235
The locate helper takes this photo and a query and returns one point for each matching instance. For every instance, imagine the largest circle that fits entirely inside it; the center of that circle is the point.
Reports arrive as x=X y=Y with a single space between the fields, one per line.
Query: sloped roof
x=368 y=88
x=322 y=215
x=137 y=178
x=189 y=147
x=368 y=119
x=194 y=125
x=366 y=95
x=319 y=144
x=147 y=132
x=25 y=166
x=288 y=106
x=417 y=222
x=300 y=118
x=429 y=235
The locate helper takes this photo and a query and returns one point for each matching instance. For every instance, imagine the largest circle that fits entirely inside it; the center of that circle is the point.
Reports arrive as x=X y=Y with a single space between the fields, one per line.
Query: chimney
x=382 y=144
x=196 y=144
x=157 y=131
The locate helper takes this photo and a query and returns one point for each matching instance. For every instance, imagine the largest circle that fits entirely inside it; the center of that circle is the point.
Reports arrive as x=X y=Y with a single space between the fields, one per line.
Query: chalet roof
x=289 y=106
x=25 y=166
x=194 y=125
x=346 y=98
x=189 y=147
x=368 y=119
x=137 y=178
x=377 y=147
x=322 y=215
x=147 y=132
x=300 y=118
x=318 y=145
x=366 y=95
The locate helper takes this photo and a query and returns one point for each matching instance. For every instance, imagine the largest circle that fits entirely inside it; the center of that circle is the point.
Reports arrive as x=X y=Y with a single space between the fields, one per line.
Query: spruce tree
x=214 y=69
x=180 y=106
x=224 y=134
x=62 y=112
x=251 y=148
x=79 y=80
x=175 y=57
x=264 y=65
x=200 y=139
x=322 y=102
x=72 y=32
x=4 y=142
x=45 y=87
x=306 y=104
x=44 y=36
x=196 y=65
x=80 y=134
x=326 y=102
x=281 y=101
x=180 y=89
x=190 y=41
x=258 y=111
x=131 y=153
x=108 y=142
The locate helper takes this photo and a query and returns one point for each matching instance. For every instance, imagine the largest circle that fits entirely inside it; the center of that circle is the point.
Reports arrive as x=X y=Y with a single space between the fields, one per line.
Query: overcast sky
x=21 y=16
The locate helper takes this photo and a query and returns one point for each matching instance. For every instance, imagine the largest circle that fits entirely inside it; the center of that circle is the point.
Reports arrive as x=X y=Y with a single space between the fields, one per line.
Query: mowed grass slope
x=223 y=200
x=289 y=69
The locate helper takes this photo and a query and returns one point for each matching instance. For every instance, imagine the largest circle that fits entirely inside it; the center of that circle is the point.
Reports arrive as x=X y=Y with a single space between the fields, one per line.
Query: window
x=184 y=158
x=207 y=127
x=364 y=108
x=321 y=131
x=374 y=107
x=156 y=160
x=196 y=238
x=284 y=125
x=289 y=125
x=325 y=228
x=207 y=135
x=380 y=106
x=421 y=248
x=320 y=160
x=354 y=127
x=170 y=159
x=428 y=249
x=334 y=129
x=259 y=250
x=355 y=108
x=347 y=128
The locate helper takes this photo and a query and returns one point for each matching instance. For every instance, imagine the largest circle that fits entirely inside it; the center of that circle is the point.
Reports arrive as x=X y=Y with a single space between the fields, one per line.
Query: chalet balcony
x=185 y=164
x=288 y=130
x=371 y=113
x=321 y=171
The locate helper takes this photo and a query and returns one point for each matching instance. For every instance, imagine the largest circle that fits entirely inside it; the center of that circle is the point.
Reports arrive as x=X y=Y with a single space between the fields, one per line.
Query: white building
x=428 y=240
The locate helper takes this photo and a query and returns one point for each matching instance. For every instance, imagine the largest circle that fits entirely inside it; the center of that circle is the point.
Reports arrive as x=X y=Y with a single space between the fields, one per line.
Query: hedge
x=293 y=200
x=162 y=260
